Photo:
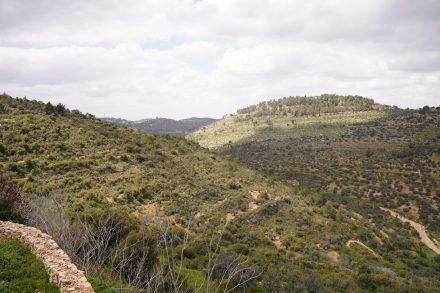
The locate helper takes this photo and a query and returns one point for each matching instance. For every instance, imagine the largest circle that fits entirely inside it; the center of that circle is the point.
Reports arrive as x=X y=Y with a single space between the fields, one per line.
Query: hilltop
x=288 y=236
x=305 y=106
x=172 y=127
x=290 y=117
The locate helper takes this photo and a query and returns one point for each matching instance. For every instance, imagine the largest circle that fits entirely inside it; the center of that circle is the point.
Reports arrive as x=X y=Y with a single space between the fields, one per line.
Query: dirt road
x=419 y=228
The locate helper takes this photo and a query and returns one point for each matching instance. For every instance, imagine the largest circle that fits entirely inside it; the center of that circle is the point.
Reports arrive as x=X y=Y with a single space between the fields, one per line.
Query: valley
x=289 y=196
x=179 y=128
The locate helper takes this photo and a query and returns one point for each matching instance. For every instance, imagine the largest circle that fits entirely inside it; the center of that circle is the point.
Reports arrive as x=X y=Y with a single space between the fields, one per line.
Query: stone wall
x=61 y=270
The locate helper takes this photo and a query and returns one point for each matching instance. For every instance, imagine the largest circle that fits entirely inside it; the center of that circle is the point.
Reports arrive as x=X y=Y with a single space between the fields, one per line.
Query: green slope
x=359 y=158
x=20 y=271
x=289 y=118
x=277 y=226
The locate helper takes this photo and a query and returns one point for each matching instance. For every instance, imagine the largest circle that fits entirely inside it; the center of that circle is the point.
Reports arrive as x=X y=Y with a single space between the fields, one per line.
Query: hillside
x=388 y=155
x=172 y=127
x=392 y=161
x=279 y=236
x=367 y=160
x=290 y=118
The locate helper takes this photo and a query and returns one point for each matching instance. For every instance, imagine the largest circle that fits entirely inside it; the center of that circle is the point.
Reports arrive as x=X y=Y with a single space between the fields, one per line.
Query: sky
x=139 y=59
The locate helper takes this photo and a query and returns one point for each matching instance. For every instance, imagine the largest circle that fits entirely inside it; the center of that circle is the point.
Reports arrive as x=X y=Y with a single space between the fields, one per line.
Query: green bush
x=9 y=198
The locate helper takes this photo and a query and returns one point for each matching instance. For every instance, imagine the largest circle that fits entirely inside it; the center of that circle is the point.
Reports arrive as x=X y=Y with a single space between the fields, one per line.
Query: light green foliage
x=234 y=130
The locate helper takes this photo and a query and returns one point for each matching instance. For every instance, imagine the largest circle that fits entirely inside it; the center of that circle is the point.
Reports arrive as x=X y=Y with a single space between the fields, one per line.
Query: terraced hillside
x=289 y=118
x=278 y=236
x=366 y=160
x=392 y=161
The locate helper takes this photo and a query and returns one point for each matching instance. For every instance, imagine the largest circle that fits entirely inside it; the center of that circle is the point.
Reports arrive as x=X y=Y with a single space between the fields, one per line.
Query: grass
x=240 y=129
x=21 y=271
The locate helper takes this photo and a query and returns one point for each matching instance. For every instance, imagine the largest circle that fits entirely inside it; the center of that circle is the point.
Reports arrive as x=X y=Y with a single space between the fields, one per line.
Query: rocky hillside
x=279 y=237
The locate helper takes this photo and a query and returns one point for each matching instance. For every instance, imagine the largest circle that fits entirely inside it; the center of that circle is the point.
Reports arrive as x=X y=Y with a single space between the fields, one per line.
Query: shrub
x=228 y=267
x=373 y=281
x=10 y=197
x=137 y=256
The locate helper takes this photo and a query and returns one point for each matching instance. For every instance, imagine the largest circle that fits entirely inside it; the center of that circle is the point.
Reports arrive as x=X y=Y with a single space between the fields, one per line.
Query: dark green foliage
x=284 y=280
x=99 y=286
x=10 y=197
x=20 y=271
x=59 y=109
x=373 y=282
x=301 y=106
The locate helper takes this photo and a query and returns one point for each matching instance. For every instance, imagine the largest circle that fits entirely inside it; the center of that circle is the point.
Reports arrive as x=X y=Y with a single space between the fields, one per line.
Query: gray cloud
x=210 y=57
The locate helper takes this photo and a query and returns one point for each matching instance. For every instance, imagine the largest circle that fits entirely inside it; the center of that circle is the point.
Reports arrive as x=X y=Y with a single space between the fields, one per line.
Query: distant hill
x=168 y=126
x=351 y=151
x=286 y=117
x=304 y=106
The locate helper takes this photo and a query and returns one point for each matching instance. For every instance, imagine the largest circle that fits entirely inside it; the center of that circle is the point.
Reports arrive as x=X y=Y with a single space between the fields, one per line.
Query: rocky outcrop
x=61 y=270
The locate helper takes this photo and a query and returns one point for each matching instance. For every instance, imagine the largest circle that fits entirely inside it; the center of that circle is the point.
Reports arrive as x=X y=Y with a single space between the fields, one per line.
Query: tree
x=60 y=109
x=424 y=110
x=49 y=108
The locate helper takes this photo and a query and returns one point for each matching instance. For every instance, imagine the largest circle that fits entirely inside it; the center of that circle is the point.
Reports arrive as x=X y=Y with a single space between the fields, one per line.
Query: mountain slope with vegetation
x=195 y=219
x=171 y=127
x=370 y=158
x=288 y=118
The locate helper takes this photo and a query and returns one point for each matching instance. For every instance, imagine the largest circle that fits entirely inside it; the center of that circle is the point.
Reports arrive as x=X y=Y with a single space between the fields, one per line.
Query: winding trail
x=419 y=228
x=350 y=242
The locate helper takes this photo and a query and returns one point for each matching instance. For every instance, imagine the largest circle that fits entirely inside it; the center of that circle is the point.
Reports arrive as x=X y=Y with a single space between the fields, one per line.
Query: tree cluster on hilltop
x=302 y=106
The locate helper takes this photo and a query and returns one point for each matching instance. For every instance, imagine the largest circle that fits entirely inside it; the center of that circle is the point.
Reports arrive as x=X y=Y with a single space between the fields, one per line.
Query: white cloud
x=180 y=58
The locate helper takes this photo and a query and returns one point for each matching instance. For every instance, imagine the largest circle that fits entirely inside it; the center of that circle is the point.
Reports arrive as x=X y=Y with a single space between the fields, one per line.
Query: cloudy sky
x=180 y=58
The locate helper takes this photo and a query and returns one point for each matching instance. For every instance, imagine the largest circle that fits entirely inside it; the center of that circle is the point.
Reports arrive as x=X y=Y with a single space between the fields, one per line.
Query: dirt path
x=419 y=228
x=350 y=242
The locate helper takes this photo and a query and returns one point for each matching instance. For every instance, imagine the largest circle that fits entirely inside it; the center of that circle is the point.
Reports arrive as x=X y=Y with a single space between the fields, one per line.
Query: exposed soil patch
x=229 y=217
x=334 y=257
x=255 y=194
x=149 y=209
x=277 y=242
x=253 y=206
